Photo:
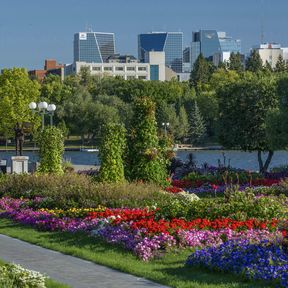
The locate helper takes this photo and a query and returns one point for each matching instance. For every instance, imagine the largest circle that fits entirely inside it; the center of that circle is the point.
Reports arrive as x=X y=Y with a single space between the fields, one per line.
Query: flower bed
x=265 y=260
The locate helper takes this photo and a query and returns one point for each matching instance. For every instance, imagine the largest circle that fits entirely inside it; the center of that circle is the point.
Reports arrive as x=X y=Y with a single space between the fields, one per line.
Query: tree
x=280 y=65
x=267 y=67
x=112 y=153
x=16 y=92
x=182 y=129
x=254 y=62
x=197 y=126
x=145 y=159
x=244 y=107
x=235 y=62
x=201 y=71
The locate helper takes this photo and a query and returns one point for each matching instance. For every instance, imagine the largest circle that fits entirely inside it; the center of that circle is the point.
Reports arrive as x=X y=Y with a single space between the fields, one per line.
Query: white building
x=221 y=57
x=153 y=70
x=269 y=52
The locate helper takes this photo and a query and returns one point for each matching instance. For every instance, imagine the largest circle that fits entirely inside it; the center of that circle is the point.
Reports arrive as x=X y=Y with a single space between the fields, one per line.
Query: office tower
x=93 y=47
x=210 y=42
x=169 y=42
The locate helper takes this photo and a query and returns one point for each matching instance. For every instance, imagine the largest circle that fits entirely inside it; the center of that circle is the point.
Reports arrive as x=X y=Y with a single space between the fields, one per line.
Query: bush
x=12 y=275
x=51 y=143
x=112 y=153
x=73 y=190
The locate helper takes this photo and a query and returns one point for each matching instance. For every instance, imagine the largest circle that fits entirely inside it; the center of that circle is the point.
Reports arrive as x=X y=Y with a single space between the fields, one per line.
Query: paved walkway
x=67 y=269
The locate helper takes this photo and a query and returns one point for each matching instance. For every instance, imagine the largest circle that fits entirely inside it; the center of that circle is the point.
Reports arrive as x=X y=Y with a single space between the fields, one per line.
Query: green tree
x=267 y=67
x=254 y=62
x=235 y=62
x=51 y=149
x=201 y=72
x=145 y=158
x=197 y=126
x=244 y=107
x=16 y=92
x=182 y=128
x=112 y=153
x=280 y=65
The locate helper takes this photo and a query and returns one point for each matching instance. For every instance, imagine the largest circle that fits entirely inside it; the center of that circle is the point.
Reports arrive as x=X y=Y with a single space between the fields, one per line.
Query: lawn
x=168 y=270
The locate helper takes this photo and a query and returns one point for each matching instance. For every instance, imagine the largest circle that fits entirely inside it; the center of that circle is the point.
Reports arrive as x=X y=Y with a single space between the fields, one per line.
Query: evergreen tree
x=182 y=129
x=267 y=67
x=197 y=125
x=235 y=62
x=254 y=62
x=201 y=72
x=280 y=65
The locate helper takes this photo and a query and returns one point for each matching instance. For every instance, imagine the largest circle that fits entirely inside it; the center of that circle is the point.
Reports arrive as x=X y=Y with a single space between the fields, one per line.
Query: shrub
x=145 y=159
x=51 y=143
x=112 y=153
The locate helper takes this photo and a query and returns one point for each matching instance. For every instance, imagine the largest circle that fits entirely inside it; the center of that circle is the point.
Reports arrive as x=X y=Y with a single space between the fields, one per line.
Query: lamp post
x=43 y=108
x=165 y=125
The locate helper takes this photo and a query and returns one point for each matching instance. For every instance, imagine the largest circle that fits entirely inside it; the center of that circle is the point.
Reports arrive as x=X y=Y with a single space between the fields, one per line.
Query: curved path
x=67 y=269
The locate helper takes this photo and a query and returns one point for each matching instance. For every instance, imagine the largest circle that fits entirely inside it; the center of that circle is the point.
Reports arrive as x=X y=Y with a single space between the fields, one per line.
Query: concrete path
x=67 y=269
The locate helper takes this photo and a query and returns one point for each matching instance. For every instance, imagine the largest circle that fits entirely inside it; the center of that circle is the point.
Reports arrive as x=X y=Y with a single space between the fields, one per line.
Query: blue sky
x=32 y=30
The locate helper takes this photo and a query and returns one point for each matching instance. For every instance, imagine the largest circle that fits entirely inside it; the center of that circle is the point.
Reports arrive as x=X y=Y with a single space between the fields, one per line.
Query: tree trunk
x=264 y=167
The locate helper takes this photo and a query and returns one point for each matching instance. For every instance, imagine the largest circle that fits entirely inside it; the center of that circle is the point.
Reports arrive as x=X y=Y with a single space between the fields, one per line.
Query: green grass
x=49 y=282
x=168 y=270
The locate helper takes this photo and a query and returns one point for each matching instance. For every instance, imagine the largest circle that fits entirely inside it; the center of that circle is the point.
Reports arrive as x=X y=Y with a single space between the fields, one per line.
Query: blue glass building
x=169 y=42
x=209 y=42
x=93 y=47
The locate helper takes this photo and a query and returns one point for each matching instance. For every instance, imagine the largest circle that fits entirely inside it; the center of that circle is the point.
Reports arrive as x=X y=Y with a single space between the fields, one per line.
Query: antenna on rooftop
x=262 y=22
x=88 y=27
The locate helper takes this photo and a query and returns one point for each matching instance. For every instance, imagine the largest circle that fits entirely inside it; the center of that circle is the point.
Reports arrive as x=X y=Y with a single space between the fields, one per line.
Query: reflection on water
x=238 y=159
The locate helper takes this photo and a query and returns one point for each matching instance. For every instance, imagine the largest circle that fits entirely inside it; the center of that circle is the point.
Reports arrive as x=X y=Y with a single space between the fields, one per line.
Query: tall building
x=169 y=42
x=210 y=42
x=93 y=47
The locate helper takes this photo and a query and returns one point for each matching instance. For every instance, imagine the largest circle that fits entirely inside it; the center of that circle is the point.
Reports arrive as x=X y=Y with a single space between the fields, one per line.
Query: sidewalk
x=67 y=269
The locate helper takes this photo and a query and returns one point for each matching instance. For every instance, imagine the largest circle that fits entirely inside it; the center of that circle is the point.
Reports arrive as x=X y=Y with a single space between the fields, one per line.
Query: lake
x=238 y=159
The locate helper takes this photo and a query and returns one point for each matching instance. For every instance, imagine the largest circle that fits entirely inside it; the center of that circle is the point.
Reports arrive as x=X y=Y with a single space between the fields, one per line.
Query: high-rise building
x=210 y=42
x=169 y=42
x=93 y=47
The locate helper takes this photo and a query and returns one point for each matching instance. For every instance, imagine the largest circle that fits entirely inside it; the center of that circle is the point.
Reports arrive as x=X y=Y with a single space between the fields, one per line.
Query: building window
x=142 y=77
x=96 y=68
x=107 y=68
x=130 y=77
x=154 y=72
x=130 y=68
x=142 y=69
x=119 y=68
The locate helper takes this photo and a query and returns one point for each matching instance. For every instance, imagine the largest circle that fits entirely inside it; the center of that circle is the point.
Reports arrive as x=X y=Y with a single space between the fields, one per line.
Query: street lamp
x=165 y=125
x=43 y=108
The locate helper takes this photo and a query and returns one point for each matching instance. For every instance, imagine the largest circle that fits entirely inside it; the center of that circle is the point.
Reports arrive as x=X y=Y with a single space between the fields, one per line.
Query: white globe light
x=51 y=107
x=167 y=123
x=32 y=105
x=42 y=105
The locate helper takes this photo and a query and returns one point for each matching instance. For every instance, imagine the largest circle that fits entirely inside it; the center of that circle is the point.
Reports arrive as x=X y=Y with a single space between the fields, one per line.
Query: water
x=238 y=159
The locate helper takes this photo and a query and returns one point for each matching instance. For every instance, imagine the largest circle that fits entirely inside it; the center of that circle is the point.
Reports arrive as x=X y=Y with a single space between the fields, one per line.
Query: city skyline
x=30 y=33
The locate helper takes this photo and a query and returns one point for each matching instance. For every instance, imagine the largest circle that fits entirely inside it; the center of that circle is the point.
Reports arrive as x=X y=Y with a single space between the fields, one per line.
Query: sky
x=34 y=30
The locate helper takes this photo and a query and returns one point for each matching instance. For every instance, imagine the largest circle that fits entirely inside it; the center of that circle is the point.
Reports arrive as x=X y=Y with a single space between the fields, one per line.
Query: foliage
x=197 y=126
x=244 y=107
x=13 y=275
x=145 y=161
x=280 y=65
x=112 y=153
x=201 y=72
x=16 y=92
x=235 y=62
x=254 y=62
x=51 y=144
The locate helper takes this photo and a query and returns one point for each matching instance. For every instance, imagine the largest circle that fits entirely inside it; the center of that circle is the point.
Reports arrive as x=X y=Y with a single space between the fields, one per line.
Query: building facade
x=270 y=52
x=210 y=42
x=93 y=47
x=153 y=70
x=169 y=42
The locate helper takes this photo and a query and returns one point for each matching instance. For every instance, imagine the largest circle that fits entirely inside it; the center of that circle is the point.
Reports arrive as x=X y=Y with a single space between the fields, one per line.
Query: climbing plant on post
x=112 y=152
x=145 y=159
x=51 y=145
